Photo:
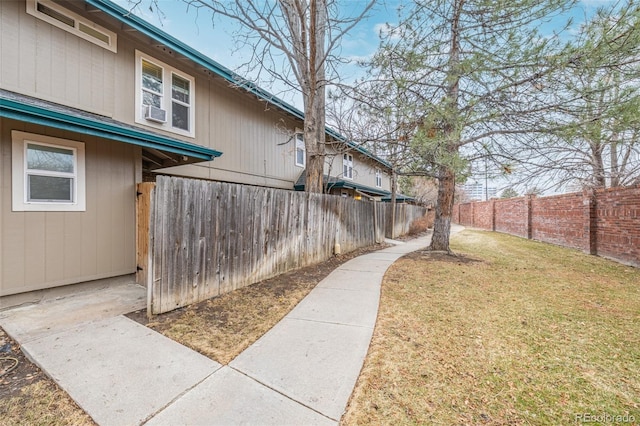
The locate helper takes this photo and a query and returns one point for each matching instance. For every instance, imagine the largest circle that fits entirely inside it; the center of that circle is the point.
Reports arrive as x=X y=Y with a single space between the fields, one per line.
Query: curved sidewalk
x=300 y=372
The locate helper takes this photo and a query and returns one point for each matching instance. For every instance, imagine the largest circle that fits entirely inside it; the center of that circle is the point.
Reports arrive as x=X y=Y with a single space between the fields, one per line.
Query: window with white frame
x=378 y=178
x=301 y=153
x=48 y=174
x=164 y=96
x=347 y=166
x=73 y=23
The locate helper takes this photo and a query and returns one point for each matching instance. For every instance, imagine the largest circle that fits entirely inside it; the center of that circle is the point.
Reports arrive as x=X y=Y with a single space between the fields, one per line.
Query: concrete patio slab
x=118 y=371
x=230 y=398
x=314 y=363
x=29 y=322
x=339 y=306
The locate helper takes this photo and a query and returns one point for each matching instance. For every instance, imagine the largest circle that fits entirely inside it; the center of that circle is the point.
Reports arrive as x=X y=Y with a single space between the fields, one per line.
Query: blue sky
x=215 y=38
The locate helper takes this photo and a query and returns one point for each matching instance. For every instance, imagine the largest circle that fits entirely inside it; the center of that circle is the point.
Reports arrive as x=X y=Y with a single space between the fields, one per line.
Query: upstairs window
x=48 y=173
x=378 y=178
x=73 y=23
x=347 y=166
x=152 y=86
x=300 y=150
x=180 y=105
x=164 y=96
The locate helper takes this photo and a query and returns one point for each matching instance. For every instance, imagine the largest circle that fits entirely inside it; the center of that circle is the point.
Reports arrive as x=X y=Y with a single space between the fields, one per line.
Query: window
x=73 y=23
x=300 y=150
x=48 y=174
x=378 y=178
x=347 y=166
x=180 y=89
x=164 y=96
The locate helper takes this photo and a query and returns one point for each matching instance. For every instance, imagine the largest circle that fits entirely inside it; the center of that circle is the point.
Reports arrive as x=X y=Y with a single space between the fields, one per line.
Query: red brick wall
x=618 y=224
x=466 y=214
x=560 y=220
x=511 y=216
x=483 y=215
x=606 y=223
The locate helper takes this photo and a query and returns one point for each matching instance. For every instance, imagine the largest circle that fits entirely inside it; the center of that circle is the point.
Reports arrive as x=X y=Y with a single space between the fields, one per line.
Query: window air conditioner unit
x=156 y=114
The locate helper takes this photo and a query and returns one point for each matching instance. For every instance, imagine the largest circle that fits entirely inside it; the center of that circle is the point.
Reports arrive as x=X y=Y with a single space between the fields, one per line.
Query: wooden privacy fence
x=405 y=214
x=208 y=238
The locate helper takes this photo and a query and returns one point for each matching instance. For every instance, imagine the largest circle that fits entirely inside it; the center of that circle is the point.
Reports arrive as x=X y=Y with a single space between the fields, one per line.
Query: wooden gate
x=143 y=223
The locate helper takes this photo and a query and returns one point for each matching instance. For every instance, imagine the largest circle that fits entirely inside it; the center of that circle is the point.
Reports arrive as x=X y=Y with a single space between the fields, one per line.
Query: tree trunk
x=446 y=175
x=444 y=209
x=599 y=179
x=314 y=139
x=314 y=100
x=615 y=167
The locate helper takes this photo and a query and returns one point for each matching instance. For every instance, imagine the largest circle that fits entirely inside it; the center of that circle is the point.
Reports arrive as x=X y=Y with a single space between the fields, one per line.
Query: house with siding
x=94 y=100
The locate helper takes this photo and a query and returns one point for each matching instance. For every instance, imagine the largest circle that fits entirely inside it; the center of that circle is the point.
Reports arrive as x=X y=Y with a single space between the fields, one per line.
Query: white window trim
x=299 y=141
x=378 y=178
x=19 y=169
x=167 y=72
x=112 y=44
x=347 y=160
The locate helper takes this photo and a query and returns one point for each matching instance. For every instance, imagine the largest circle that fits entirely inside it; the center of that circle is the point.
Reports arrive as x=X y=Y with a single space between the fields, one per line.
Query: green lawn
x=512 y=332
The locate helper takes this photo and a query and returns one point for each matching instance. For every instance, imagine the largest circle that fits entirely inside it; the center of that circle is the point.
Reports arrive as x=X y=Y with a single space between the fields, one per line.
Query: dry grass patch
x=42 y=403
x=28 y=396
x=222 y=327
x=512 y=332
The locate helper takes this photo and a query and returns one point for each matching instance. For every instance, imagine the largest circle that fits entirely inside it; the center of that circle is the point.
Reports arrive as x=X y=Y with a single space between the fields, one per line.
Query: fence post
x=589 y=202
x=529 y=213
x=473 y=214
x=493 y=215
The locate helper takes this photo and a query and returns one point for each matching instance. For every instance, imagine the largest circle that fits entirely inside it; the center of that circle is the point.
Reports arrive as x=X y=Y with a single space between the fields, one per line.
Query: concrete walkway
x=121 y=373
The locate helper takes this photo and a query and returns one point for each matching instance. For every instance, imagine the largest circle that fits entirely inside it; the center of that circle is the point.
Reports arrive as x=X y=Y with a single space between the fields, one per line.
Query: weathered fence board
x=209 y=238
x=405 y=214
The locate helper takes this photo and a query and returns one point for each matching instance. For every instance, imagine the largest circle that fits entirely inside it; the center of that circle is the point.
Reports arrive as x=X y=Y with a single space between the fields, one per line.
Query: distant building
x=476 y=191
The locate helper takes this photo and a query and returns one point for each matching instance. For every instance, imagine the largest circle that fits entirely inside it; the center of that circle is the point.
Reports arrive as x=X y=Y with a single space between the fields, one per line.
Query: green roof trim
x=125 y=16
x=340 y=183
x=80 y=122
x=400 y=198
x=357 y=186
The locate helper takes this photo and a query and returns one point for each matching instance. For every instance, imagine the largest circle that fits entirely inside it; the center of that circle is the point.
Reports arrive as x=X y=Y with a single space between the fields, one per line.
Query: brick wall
x=466 y=213
x=605 y=222
x=483 y=215
x=560 y=220
x=511 y=216
x=618 y=224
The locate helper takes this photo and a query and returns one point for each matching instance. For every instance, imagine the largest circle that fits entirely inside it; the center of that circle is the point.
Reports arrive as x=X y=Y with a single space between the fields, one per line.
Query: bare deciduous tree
x=596 y=113
x=296 y=42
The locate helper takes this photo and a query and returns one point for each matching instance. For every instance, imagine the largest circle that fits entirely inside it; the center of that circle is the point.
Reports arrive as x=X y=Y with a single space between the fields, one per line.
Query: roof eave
x=37 y=115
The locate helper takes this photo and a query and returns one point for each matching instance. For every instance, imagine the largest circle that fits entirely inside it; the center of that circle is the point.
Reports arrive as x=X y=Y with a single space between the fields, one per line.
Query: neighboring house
x=92 y=101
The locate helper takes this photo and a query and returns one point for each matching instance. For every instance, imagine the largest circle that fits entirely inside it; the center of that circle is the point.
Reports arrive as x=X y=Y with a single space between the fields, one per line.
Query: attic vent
x=93 y=33
x=56 y=15
x=156 y=114
x=73 y=23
